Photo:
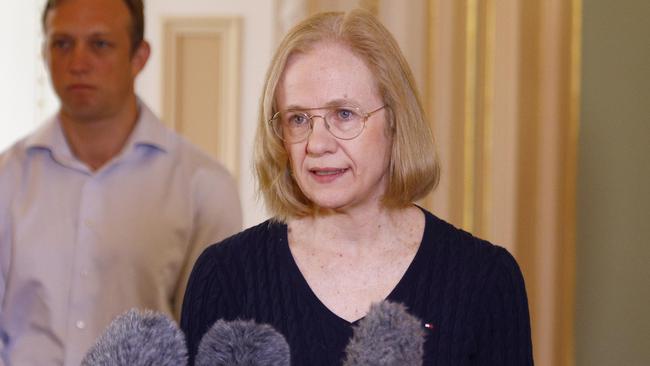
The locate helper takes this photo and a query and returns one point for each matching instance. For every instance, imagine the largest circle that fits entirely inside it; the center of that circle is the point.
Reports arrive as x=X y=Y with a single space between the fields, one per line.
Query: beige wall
x=255 y=49
x=613 y=246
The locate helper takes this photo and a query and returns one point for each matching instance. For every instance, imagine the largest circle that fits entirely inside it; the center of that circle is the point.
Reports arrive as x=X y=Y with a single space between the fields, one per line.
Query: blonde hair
x=414 y=169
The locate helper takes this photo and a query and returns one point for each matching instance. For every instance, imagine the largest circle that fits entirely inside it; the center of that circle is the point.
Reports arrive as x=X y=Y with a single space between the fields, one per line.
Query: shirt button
x=80 y=324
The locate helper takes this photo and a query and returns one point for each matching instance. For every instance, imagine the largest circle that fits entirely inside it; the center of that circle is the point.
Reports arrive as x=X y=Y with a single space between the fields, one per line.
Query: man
x=102 y=208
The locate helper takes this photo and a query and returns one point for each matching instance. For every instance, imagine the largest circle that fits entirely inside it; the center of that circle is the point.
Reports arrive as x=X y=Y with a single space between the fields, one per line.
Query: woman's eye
x=298 y=119
x=345 y=114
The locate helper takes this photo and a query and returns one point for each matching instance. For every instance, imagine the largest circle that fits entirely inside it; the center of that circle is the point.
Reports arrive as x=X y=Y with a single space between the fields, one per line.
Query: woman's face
x=333 y=173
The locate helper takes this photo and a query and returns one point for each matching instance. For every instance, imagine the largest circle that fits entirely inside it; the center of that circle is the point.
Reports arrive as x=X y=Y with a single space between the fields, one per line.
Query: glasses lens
x=345 y=122
x=291 y=126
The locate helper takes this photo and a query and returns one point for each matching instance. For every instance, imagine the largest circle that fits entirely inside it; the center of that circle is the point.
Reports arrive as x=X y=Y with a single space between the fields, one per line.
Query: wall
x=613 y=251
x=256 y=49
x=25 y=98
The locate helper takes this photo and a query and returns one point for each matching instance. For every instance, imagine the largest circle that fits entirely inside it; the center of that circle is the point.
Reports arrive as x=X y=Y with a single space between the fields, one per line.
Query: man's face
x=90 y=59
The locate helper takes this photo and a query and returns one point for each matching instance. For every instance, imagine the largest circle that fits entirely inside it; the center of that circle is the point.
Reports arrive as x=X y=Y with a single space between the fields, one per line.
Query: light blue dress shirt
x=78 y=248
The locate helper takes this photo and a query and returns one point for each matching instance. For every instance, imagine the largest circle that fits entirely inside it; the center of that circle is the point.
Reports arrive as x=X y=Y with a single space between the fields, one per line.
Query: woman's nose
x=320 y=140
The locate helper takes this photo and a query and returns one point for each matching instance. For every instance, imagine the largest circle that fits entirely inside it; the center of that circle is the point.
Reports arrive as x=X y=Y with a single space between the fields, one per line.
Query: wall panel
x=201 y=90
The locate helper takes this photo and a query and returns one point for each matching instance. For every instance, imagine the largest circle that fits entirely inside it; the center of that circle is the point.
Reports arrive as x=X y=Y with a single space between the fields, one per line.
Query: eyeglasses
x=343 y=122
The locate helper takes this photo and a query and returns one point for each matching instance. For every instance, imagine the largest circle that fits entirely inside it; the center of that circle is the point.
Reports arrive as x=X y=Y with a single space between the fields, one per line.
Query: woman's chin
x=340 y=205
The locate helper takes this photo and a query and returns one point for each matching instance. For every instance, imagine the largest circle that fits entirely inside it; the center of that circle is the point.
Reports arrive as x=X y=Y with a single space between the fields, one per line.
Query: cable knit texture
x=469 y=293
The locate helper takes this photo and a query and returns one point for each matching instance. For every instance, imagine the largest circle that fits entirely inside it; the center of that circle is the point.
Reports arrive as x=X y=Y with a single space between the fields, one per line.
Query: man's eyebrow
x=58 y=34
x=100 y=34
x=63 y=33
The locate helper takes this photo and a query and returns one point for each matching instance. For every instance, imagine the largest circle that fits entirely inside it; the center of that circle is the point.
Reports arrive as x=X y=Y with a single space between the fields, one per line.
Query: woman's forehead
x=326 y=74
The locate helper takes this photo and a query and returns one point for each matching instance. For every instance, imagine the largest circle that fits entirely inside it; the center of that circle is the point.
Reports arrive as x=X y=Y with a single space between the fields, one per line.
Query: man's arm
x=5 y=254
x=4 y=265
x=5 y=244
x=217 y=215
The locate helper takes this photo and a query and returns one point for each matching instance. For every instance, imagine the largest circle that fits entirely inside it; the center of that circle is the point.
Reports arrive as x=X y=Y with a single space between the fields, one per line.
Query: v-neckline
x=301 y=281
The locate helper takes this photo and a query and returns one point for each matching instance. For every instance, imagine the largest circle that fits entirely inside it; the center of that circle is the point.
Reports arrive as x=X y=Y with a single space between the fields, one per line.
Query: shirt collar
x=148 y=131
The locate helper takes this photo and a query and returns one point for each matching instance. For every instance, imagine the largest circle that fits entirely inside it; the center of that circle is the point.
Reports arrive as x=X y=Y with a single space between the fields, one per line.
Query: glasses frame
x=309 y=116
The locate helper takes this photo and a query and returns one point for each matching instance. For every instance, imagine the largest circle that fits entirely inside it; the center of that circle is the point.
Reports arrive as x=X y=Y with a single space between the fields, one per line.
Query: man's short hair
x=413 y=170
x=136 y=9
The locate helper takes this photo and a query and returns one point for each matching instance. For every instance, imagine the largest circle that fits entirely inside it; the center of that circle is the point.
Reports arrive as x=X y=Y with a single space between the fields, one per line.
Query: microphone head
x=242 y=343
x=387 y=336
x=139 y=339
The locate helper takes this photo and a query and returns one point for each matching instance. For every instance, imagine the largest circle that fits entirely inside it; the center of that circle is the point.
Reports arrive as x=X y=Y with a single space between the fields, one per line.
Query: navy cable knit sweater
x=471 y=294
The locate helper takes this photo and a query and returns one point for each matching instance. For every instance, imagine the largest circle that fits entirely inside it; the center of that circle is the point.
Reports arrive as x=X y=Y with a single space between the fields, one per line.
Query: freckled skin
x=341 y=76
x=353 y=251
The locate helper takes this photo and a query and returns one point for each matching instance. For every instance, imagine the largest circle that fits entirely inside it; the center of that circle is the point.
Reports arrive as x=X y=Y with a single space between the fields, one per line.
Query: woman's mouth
x=327 y=174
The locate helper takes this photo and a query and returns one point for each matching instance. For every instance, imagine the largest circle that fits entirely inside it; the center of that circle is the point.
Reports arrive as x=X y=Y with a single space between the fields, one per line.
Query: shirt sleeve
x=4 y=255
x=504 y=333
x=5 y=246
x=217 y=215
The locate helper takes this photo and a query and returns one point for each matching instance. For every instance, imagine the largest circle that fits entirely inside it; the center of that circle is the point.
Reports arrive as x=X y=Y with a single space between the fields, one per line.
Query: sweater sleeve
x=504 y=335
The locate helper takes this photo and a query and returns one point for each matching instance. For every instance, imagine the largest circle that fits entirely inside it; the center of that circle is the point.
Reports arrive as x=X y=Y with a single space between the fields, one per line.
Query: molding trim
x=225 y=35
x=470 y=114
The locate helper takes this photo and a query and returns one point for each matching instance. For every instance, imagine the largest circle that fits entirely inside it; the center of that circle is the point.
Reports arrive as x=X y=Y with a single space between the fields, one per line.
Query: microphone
x=139 y=339
x=387 y=336
x=242 y=343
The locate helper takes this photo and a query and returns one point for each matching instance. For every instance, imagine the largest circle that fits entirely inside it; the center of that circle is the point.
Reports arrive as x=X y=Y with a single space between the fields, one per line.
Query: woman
x=342 y=151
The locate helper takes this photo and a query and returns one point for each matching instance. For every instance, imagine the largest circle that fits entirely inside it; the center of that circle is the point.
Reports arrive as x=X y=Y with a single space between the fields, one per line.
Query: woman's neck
x=356 y=230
